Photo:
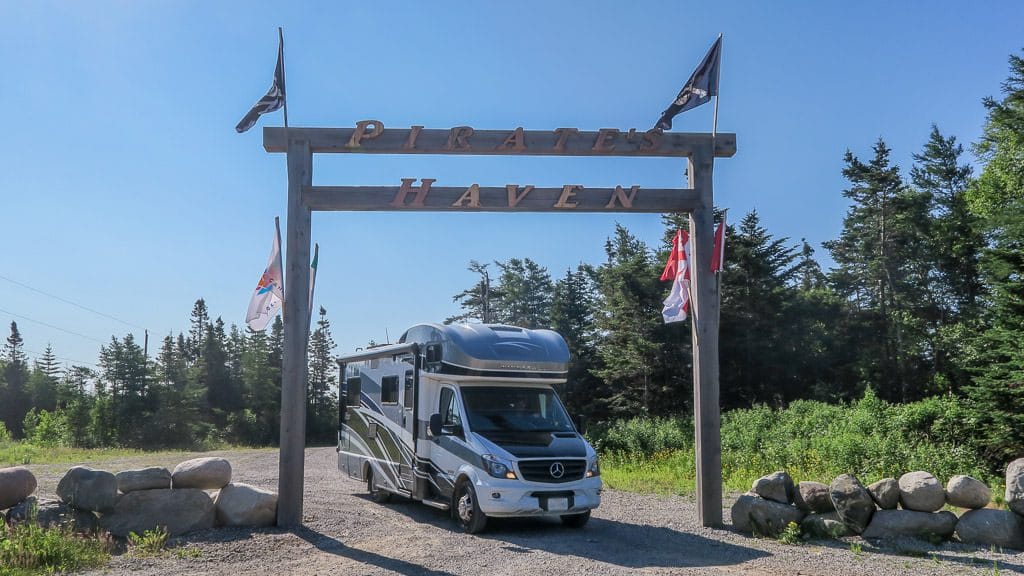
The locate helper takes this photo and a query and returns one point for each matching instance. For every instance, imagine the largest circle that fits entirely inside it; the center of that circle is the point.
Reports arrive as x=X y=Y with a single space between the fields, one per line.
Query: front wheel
x=467 y=510
x=376 y=493
x=576 y=520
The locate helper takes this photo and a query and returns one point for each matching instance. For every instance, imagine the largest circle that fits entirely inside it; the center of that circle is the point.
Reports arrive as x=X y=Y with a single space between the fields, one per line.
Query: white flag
x=269 y=293
x=678 y=302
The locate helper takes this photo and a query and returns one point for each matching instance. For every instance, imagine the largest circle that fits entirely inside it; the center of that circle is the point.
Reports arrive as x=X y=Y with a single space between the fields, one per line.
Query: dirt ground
x=345 y=533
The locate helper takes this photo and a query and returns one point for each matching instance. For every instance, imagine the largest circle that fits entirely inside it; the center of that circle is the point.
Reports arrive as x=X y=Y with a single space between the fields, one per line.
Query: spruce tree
x=15 y=378
x=476 y=302
x=321 y=409
x=524 y=294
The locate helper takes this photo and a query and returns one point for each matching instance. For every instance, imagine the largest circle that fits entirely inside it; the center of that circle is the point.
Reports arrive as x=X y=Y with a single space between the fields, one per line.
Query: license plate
x=558 y=504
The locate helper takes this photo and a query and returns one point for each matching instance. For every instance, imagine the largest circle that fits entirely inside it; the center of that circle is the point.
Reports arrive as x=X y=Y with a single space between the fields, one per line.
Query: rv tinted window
x=352 y=391
x=449 y=409
x=407 y=399
x=389 y=390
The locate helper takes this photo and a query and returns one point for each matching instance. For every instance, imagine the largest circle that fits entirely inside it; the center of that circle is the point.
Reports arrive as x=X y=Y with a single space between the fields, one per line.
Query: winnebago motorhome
x=464 y=418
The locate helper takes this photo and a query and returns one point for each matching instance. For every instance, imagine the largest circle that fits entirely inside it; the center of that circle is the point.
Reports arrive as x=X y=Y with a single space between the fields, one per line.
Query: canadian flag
x=677 y=269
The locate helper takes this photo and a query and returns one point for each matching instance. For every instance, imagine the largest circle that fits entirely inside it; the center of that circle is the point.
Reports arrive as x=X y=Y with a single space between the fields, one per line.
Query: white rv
x=464 y=418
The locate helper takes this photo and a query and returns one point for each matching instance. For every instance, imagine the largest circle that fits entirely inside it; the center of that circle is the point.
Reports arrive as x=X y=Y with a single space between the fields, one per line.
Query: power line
x=54 y=327
x=77 y=305
x=65 y=358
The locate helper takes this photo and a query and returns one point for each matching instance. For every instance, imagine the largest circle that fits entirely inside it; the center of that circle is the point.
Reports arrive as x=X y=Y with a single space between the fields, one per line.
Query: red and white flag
x=677 y=269
x=718 y=255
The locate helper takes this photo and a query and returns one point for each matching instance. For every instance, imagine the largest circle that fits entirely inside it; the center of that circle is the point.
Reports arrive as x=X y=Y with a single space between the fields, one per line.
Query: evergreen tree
x=321 y=409
x=195 y=344
x=997 y=198
x=123 y=368
x=476 y=302
x=263 y=389
x=78 y=405
x=573 y=306
x=645 y=363
x=880 y=272
x=44 y=381
x=15 y=383
x=524 y=294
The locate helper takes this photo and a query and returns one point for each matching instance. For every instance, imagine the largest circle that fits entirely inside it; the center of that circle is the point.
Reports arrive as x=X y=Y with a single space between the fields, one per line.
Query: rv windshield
x=505 y=409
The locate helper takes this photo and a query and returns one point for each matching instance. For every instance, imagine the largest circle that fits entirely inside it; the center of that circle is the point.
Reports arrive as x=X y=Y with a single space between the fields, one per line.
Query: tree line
x=925 y=298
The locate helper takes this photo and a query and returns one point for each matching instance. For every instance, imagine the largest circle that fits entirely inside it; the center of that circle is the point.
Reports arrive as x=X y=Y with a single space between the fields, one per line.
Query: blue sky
x=124 y=188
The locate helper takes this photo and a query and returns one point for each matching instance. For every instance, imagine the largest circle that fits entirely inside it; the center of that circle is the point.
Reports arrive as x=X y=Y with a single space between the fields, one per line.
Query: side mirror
x=435 y=424
x=581 y=423
x=453 y=430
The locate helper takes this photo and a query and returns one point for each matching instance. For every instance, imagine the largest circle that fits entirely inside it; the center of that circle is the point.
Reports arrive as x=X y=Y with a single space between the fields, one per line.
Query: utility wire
x=66 y=301
x=52 y=326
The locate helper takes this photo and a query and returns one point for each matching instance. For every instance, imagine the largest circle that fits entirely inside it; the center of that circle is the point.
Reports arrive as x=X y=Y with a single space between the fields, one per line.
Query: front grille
x=540 y=470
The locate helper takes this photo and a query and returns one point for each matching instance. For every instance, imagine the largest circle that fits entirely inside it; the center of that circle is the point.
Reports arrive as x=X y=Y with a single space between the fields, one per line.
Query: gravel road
x=346 y=533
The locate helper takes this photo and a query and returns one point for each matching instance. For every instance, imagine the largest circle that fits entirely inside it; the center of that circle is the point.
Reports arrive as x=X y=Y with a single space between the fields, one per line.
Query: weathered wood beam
x=511 y=198
x=367 y=139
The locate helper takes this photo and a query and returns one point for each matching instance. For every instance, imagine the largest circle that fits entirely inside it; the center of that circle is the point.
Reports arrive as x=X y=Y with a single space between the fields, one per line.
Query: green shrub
x=150 y=543
x=27 y=548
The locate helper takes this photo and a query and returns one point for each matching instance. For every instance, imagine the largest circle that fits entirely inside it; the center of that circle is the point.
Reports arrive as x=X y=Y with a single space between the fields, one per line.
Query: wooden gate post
x=704 y=321
x=296 y=338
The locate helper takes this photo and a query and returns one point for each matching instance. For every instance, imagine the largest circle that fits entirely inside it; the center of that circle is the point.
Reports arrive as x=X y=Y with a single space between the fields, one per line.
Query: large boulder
x=143 y=479
x=886 y=493
x=88 y=489
x=1015 y=486
x=740 y=511
x=989 y=527
x=16 y=484
x=966 y=492
x=179 y=511
x=48 y=513
x=921 y=525
x=202 y=473
x=922 y=492
x=826 y=525
x=245 y=505
x=852 y=501
x=777 y=486
x=813 y=497
x=770 y=518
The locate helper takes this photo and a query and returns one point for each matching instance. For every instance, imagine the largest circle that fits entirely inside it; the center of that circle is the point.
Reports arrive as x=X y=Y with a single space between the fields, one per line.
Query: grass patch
x=667 y=472
x=149 y=543
x=29 y=549
x=23 y=453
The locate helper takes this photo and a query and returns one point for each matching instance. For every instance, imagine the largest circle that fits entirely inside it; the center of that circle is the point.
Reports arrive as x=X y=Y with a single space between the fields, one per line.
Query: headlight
x=593 y=469
x=497 y=468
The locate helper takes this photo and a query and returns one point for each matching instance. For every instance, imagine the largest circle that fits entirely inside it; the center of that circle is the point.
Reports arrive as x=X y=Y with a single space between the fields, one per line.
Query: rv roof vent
x=506 y=329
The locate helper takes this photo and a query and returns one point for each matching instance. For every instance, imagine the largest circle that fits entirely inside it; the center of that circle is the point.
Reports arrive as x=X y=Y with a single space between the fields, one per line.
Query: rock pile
x=911 y=506
x=197 y=495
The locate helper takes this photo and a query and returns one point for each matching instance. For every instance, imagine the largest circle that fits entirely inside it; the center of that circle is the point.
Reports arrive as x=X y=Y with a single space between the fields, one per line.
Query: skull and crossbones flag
x=702 y=85
x=274 y=98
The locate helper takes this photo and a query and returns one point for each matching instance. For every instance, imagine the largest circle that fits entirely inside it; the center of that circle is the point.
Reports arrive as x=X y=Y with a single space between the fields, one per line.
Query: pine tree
x=997 y=198
x=195 y=344
x=321 y=410
x=880 y=272
x=573 y=306
x=44 y=381
x=15 y=379
x=476 y=302
x=524 y=294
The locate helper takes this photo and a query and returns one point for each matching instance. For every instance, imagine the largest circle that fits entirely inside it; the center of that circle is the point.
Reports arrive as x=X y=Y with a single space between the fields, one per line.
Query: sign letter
x=514 y=198
x=410 y=142
x=471 y=195
x=563 y=135
x=516 y=141
x=604 y=135
x=360 y=133
x=421 y=193
x=651 y=139
x=568 y=191
x=457 y=138
x=624 y=199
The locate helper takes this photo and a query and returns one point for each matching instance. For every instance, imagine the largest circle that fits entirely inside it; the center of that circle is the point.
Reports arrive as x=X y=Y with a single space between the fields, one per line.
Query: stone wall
x=915 y=505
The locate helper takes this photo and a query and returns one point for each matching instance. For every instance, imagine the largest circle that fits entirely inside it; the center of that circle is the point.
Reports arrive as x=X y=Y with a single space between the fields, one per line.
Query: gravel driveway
x=345 y=533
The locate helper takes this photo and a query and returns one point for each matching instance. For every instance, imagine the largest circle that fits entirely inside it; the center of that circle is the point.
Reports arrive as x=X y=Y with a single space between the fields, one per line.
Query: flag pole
x=718 y=86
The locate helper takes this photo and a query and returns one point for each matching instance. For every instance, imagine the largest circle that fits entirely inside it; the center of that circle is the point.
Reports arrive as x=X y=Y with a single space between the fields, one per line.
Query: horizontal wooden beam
x=371 y=138
x=511 y=198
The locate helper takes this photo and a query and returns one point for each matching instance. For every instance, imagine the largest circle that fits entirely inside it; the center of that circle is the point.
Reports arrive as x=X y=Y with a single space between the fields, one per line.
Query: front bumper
x=504 y=498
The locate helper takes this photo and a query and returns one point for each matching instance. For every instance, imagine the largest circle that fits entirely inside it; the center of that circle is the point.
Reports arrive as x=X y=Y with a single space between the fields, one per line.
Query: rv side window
x=389 y=390
x=449 y=409
x=352 y=391
x=407 y=399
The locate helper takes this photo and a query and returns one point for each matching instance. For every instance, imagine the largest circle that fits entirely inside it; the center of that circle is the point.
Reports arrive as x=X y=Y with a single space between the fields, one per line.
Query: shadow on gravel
x=330 y=545
x=620 y=543
x=939 y=555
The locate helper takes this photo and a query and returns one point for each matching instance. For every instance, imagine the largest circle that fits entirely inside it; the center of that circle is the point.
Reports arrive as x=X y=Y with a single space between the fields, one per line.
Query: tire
x=466 y=509
x=377 y=494
x=576 y=520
